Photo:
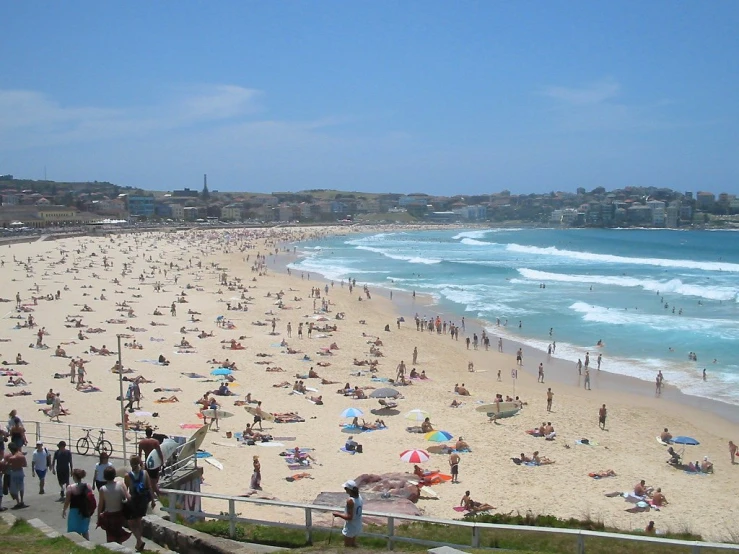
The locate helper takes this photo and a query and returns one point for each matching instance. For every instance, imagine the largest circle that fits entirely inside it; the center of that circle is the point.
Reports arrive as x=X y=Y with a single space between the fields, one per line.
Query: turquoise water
x=609 y=285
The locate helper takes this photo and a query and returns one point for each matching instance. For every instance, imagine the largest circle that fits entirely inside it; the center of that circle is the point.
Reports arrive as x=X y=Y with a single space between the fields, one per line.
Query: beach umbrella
x=415 y=456
x=417 y=415
x=438 y=436
x=689 y=441
x=221 y=371
x=385 y=392
x=352 y=412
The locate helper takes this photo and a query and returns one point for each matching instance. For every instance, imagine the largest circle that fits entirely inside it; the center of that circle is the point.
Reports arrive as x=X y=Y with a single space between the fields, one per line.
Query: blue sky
x=440 y=97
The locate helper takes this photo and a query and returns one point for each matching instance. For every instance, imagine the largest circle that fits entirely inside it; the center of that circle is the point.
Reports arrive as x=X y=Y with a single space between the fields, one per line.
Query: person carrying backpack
x=139 y=486
x=81 y=504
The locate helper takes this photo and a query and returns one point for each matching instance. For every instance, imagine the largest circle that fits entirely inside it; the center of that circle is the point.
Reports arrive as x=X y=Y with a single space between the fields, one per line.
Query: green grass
x=513 y=540
x=22 y=538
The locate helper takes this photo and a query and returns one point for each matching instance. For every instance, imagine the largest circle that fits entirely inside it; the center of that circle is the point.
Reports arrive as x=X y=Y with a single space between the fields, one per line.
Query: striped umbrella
x=438 y=436
x=415 y=456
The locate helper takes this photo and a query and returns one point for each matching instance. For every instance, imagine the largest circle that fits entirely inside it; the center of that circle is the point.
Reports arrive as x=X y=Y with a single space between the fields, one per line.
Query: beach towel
x=190 y=425
x=194 y=375
x=459 y=509
x=380 y=379
x=203 y=454
x=343 y=449
x=40 y=401
x=298 y=466
x=92 y=389
x=147 y=361
x=590 y=443
x=285 y=438
x=269 y=444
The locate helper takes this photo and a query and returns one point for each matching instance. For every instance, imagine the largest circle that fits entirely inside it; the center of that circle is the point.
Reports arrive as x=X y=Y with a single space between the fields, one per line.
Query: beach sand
x=702 y=504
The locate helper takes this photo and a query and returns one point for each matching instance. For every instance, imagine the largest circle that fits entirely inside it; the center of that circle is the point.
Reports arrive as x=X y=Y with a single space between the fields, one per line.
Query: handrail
x=40 y=432
x=391 y=537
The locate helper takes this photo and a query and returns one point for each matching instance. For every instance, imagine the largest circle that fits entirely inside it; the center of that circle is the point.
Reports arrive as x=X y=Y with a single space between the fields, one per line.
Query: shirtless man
x=146 y=445
x=732 y=451
x=602 y=413
x=658 y=498
x=473 y=506
x=640 y=489
x=461 y=445
x=665 y=436
x=454 y=460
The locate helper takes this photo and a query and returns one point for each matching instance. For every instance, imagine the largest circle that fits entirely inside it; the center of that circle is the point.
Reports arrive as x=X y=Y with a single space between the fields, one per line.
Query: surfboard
x=193 y=443
x=220 y=414
x=215 y=463
x=261 y=413
x=426 y=492
x=168 y=448
x=659 y=440
x=497 y=407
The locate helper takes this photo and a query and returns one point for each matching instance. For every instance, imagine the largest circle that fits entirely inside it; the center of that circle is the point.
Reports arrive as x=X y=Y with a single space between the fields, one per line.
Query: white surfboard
x=215 y=463
x=168 y=447
x=221 y=414
x=497 y=407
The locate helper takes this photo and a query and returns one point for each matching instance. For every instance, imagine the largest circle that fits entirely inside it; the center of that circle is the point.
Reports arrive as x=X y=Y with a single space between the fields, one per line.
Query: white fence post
x=172 y=497
x=390 y=533
x=309 y=526
x=696 y=548
x=231 y=518
x=475 y=537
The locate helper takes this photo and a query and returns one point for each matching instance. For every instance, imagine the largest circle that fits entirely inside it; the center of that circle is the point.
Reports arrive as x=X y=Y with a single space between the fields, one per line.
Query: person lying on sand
x=101 y=351
x=455 y=404
x=327 y=382
x=323 y=364
x=16 y=381
x=204 y=335
x=167 y=400
x=283 y=385
x=602 y=474
x=19 y=393
x=317 y=400
x=472 y=506
x=274 y=369
x=378 y=424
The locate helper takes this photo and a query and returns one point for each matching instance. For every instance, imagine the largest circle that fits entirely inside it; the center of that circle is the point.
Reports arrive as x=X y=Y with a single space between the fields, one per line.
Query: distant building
x=11 y=199
x=190 y=213
x=442 y=217
x=705 y=200
x=232 y=212
x=185 y=193
x=639 y=215
x=141 y=206
x=672 y=214
x=472 y=213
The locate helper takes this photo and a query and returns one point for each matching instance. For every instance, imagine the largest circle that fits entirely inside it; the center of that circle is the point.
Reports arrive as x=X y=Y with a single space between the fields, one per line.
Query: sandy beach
x=203 y=273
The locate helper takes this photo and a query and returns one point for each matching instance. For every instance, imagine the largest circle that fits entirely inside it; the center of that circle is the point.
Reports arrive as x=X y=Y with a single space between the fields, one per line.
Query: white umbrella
x=417 y=415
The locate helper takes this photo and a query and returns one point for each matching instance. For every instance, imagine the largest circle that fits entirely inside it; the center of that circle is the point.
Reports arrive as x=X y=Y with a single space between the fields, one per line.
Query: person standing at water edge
x=587 y=379
x=352 y=515
x=602 y=413
x=540 y=379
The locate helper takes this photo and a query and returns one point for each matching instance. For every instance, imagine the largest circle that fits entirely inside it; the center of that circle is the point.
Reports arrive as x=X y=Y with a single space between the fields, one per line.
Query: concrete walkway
x=48 y=508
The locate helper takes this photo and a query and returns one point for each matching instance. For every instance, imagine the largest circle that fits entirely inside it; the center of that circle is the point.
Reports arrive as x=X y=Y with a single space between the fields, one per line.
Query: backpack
x=139 y=486
x=89 y=504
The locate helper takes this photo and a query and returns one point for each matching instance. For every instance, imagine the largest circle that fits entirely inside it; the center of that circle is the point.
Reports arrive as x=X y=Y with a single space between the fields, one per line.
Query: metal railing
x=475 y=528
x=51 y=432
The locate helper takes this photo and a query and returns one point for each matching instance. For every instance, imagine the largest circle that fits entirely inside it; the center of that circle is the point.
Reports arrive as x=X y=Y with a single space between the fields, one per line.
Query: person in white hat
x=352 y=514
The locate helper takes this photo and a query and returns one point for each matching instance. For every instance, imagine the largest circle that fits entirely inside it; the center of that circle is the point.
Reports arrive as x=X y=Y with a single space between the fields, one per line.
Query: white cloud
x=30 y=119
x=594 y=93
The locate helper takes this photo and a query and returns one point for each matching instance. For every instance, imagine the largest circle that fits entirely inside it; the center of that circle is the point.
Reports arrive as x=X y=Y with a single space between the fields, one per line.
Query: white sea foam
x=718 y=328
x=609 y=258
x=475 y=242
x=472 y=234
x=409 y=259
x=674 y=286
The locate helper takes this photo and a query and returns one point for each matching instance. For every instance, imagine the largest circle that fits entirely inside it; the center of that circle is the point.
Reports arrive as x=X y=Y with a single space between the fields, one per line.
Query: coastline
x=627 y=445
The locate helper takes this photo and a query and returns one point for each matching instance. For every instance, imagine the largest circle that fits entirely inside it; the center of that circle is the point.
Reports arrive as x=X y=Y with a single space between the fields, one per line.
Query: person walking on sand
x=540 y=379
x=732 y=451
x=550 y=396
x=352 y=514
x=587 y=379
x=602 y=413
x=415 y=355
x=454 y=460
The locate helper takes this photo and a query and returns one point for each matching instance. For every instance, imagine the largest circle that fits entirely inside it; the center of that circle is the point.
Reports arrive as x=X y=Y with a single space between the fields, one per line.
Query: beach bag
x=585 y=441
x=89 y=504
x=359 y=449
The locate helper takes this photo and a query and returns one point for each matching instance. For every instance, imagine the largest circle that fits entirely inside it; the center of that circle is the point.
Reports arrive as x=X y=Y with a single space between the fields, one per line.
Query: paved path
x=48 y=508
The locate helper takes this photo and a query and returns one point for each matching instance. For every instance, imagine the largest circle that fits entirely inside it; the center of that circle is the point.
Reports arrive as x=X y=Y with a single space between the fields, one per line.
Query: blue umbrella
x=352 y=412
x=221 y=371
x=685 y=440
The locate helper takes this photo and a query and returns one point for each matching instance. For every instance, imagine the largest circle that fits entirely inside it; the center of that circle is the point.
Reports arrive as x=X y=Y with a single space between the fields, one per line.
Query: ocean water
x=624 y=287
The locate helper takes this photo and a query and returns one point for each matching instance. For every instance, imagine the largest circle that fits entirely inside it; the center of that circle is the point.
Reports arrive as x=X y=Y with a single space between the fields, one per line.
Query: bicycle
x=102 y=445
